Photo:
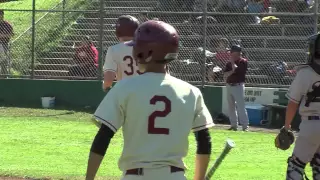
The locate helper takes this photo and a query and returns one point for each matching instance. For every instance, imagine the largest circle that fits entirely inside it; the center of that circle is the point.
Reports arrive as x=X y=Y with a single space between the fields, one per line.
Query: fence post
x=316 y=7
x=101 y=33
x=63 y=13
x=33 y=38
x=205 y=24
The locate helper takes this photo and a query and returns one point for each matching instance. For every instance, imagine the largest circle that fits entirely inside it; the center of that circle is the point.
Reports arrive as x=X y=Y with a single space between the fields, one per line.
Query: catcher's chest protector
x=305 y=90
x=313 y=95
x=315 y=67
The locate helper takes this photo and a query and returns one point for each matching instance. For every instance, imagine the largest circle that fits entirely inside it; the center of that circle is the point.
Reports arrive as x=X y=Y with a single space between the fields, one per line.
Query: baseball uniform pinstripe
x=156 y=112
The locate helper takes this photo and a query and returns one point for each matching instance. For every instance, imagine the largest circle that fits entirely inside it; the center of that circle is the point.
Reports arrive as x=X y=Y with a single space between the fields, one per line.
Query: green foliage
x=15 y=73
x=53 y=27
x=49 y=29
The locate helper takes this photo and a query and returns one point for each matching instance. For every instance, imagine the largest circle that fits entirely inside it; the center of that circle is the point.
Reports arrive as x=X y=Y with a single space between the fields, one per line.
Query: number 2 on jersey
x=131 y=66
x=152 y=118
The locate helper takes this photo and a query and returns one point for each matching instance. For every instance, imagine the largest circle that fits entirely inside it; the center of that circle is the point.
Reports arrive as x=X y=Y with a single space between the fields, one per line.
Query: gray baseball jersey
x=156 y=112
x=304 y=82
x=308 y=141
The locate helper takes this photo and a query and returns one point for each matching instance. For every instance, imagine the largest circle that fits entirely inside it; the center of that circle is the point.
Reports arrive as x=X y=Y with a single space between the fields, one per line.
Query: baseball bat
x=229 y=145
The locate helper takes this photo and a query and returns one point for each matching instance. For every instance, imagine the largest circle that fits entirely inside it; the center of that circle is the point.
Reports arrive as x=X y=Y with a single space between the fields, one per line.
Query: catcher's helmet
x=155 y=41
x=314 y=52
x=313 y=48
x=126 y=26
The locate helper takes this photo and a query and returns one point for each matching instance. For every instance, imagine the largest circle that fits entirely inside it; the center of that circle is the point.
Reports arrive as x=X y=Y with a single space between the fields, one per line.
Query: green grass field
x=21 y=20
x=55 y=143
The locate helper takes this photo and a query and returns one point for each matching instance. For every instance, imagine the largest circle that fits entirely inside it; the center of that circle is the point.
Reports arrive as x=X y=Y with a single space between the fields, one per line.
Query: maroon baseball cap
x=126 y=26
x=155 y=39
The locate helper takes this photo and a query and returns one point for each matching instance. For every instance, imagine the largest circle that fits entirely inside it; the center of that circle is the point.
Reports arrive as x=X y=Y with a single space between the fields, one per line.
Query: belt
x=234 y=84
x=139 y=171
x=310 y=118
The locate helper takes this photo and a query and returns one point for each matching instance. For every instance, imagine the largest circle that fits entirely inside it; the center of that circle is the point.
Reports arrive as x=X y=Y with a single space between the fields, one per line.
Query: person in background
x=255 y=6
x=292 y=6
x=222 y=56
x=230 y=5
x=222 y=52
x=310 y=6
x=281 y=68
x=6 y=32
x=119 y=63
x=85 y=58
x=234 y=73
x=266 y=4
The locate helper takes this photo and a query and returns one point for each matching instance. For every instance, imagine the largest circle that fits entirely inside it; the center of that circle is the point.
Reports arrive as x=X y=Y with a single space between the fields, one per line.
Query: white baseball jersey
x=119 y=60
x=156 y=112
x=304 y=82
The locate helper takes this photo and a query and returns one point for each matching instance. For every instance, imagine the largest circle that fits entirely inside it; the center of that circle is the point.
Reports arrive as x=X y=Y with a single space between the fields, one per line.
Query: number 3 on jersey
x=132 y=66
x=152 y=118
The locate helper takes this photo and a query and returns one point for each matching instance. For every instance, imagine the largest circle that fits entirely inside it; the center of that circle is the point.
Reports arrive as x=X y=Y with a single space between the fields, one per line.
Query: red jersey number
x=152 y=118
x=131 y=66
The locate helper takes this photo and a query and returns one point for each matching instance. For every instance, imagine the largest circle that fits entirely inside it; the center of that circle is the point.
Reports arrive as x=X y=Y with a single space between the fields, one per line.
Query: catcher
x=304 y=93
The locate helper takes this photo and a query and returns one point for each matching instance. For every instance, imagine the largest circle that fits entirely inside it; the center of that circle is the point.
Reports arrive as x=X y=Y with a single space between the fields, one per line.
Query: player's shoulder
x=126 y=83
x=180 y=81
x=121 y=48
x=117 y=46
x=302 y=68
x=185 y=85
x=120 y=89
x=120 y=45
x=304 y=71
x=122 y=82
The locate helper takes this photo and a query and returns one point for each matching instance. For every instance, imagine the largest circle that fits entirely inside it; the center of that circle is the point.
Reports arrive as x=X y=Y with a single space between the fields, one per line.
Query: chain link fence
x=272 y=34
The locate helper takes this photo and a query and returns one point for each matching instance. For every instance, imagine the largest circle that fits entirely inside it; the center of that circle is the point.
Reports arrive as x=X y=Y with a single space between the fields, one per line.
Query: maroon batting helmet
x=126 y=26
x=155 y=41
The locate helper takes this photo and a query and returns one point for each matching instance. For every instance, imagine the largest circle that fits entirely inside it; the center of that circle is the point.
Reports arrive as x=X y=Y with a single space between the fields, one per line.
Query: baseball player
x=119 y=62
x=156 y=112
x=305 y=90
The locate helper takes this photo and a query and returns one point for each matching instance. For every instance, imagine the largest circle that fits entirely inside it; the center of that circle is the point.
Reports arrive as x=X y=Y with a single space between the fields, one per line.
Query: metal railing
x=273 y=41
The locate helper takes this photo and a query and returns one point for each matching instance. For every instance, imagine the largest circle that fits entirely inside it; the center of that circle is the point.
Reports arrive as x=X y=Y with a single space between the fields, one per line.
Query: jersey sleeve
x=228 y=67
x=110 y=110
x=298 y=88
x=202 y=119
x=242 y=67
x=110 y=64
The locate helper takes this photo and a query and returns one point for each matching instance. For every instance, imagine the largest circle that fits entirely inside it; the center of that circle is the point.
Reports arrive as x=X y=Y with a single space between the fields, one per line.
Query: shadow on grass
x=4 y=1
x=27 y=111
x=7 y=177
